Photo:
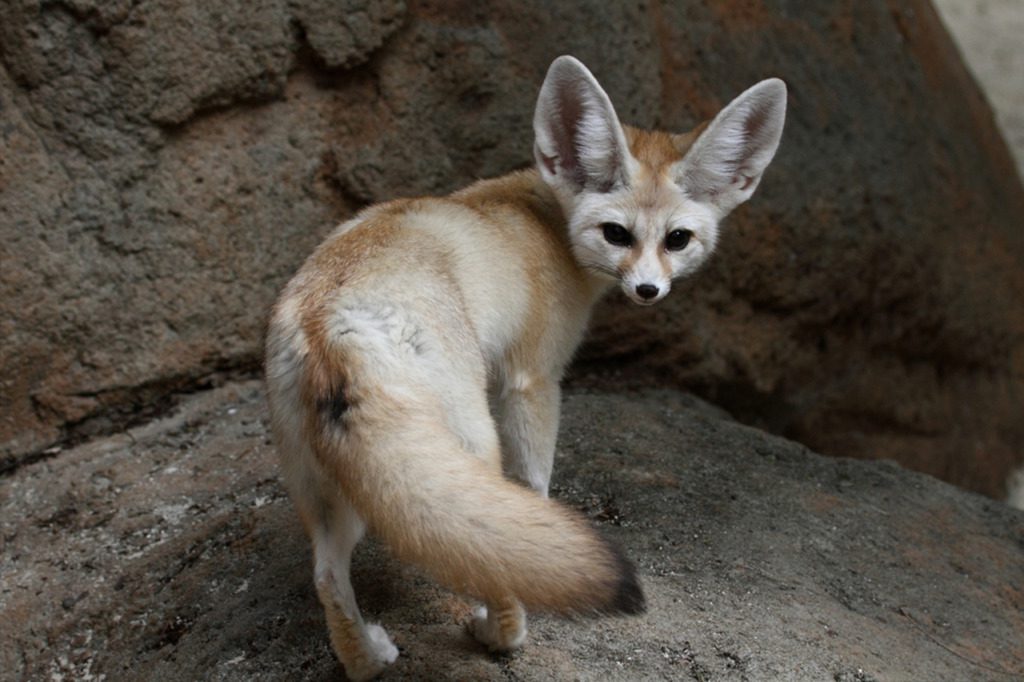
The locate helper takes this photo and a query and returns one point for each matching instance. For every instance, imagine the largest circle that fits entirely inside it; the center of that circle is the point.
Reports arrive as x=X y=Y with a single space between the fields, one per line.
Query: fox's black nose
x=646 y=291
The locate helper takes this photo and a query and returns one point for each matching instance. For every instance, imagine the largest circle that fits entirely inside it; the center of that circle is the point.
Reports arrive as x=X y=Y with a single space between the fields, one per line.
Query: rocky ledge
x=171 y=552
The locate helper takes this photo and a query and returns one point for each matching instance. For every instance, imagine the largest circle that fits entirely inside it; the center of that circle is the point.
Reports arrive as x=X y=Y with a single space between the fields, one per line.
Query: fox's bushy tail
x=444 y=509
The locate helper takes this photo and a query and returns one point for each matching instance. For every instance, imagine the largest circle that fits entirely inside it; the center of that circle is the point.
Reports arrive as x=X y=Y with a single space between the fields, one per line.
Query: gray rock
x=171 y=552
x=344 y=34
x=164 y=167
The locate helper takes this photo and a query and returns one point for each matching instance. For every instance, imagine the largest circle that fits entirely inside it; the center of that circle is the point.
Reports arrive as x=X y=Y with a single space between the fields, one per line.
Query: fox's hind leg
x=364 y=649
x=528 y=414
x=501 y=625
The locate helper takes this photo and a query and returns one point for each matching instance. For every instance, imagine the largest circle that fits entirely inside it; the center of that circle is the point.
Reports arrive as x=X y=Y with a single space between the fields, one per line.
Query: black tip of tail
x=629 y=596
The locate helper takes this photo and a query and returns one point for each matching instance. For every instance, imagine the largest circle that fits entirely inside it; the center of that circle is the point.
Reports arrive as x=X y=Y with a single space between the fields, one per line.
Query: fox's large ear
x=579 y=143
x=725 y=164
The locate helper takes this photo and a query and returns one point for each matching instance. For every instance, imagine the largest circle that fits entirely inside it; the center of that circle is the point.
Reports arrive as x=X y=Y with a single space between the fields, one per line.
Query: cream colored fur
x=390 y=348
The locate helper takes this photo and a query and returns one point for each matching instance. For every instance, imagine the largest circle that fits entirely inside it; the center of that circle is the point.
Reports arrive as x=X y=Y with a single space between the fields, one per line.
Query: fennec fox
x=388 y=347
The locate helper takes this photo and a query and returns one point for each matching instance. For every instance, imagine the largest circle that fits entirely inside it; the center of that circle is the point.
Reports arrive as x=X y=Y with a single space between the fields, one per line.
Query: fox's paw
x=381 y=643
x=504 y=630
x=379 y=653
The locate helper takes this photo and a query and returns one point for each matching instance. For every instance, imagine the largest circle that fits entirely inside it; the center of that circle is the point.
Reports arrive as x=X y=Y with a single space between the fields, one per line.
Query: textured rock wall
x=165 y=165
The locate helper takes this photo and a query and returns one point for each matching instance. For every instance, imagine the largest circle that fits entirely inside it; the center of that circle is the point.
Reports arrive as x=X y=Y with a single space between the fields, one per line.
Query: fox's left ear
x=725 y=164
x=579 y=143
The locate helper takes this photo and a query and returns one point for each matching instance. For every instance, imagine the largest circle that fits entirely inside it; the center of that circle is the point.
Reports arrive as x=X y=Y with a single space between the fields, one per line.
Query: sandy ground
x=990 y=35
x=171 y=552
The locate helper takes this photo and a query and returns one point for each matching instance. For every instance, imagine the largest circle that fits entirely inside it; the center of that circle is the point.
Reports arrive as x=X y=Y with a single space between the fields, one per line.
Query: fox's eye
x=616 y=234
x=677 y=240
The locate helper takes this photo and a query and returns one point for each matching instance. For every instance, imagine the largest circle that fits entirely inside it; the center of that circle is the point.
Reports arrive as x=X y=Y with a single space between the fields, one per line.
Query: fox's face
x=643 y=234
x=643 y=207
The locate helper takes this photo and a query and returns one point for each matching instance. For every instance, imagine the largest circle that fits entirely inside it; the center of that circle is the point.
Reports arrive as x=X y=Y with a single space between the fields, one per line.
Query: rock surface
x=170 y=552
x=165 y=166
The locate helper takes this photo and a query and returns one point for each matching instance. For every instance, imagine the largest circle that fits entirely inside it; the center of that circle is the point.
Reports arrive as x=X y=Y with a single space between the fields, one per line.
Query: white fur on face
x=583 y=155
x=646 y=261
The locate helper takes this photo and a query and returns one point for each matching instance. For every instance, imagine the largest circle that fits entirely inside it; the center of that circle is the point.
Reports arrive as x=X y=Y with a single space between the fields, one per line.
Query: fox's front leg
x=528 y=425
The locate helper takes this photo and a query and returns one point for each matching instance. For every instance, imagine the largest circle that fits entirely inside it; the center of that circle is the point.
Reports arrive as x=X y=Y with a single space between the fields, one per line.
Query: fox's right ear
x=579 y=143
x=725 y=164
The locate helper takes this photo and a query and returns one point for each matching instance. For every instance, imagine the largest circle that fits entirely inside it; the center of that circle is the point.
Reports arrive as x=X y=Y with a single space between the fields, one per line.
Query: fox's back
x=494 y=254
